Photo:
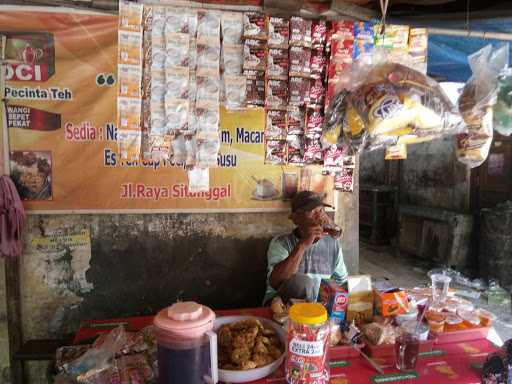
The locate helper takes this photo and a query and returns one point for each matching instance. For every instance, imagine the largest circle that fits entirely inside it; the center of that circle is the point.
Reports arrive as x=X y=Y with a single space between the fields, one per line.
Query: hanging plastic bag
x=503 y=107
x=476 y=102
x=382 y=100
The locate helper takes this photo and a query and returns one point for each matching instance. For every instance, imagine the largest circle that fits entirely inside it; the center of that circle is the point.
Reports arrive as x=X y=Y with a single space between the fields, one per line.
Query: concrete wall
x=138 y=264
x=373 y=168
x=433 y=177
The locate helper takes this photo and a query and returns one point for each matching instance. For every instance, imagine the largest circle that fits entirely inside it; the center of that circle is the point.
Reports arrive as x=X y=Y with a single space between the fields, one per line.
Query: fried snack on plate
x=247 y=345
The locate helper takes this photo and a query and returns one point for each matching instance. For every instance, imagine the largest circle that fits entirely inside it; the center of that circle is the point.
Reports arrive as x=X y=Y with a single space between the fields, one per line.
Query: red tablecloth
x=456 y=363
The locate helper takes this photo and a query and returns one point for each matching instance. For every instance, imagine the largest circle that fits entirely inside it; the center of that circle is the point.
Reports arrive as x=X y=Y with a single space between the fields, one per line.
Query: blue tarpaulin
x=447 y=55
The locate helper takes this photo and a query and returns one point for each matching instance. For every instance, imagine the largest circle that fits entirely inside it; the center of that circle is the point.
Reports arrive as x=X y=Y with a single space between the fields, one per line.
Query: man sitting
x=299 y=260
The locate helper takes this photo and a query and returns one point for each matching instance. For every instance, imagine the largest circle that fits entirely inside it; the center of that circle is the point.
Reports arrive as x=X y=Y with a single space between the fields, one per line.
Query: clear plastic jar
x=308 y=345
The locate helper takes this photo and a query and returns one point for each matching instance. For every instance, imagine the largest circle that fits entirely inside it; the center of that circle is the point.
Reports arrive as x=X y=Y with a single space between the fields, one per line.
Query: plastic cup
x=440 y=285
x=486 y=318
x=453 y=323
x=469 y=318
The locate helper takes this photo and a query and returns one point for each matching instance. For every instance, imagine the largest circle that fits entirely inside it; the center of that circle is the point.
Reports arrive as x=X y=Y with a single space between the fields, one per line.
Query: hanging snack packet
x=300 y=61
x=276 y=124
x=208 y=87
x=208 y=57
x=313 y=151
x=232 y=27
x=177 y=82
x=128 y=113
x=157 y=110
x=344 y=180
x=130 y=48
x=208 y=150
x=255 y=54
x=275 y=152
x=363 y=38
x=276 y=93
x=159 y=147
x=300 y=32
x=179 y=150
x=232 y=59
x=396 y=152
x=176 y=113
x=299 y=91
x=177 y=50
x=333 y=160
x=314 y=121
x=235 y=92
x=296 y=121
x=208 y=116
x=278 y=32
x=318 y=34
x=255 y=26
x=476 y=102
x=295 y=149
x=158 y=57
x=177 y=20
x=130 y=16
x=158 y=22
x=129 y=144
x=278 y=63
x=208 y=25
x=129 y=78
x=342 y=30
x=318 y=64
x=191 y=149
x=317 y=92
x=199 y=180
x=255 y=87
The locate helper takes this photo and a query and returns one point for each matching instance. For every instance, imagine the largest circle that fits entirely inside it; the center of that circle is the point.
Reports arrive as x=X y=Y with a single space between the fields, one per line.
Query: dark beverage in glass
x=407 y=347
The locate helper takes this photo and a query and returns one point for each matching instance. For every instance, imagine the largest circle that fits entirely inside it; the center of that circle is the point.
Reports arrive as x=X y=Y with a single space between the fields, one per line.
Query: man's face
x=308 y=218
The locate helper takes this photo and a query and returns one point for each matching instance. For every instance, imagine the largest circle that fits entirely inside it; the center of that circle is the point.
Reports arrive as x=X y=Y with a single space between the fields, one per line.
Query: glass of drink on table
x=407 y=347
x=440 y=285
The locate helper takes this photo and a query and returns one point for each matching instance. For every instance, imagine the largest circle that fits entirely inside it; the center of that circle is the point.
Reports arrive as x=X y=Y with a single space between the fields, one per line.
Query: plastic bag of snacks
x=384 y=100
x=475 y=104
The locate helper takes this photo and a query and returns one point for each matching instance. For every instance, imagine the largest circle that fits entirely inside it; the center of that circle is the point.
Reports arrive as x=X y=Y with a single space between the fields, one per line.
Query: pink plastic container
x=187 y=345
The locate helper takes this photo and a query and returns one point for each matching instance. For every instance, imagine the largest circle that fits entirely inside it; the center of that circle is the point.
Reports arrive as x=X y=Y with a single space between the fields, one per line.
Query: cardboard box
x=391 y=303
x=334 y=298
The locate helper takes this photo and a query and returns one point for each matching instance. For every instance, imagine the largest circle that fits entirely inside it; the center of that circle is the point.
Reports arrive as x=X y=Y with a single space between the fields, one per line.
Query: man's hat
x=308 y=200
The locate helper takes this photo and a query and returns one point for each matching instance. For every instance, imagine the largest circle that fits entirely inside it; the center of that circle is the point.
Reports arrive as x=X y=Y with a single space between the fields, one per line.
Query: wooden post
x=347 y=217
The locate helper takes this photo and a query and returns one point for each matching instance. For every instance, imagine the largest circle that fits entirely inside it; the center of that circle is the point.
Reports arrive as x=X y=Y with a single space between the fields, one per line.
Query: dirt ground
x=405 y=271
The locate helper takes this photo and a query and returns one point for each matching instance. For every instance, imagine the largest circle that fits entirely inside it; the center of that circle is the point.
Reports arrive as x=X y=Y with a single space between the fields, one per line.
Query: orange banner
x=61 y=112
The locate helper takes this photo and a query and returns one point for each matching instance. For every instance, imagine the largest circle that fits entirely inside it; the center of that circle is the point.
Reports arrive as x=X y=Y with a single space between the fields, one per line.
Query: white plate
x=250 y=374
x=274 y=196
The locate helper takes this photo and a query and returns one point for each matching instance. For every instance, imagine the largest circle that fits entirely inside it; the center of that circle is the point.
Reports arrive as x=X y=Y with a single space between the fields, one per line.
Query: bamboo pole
x=469 y=33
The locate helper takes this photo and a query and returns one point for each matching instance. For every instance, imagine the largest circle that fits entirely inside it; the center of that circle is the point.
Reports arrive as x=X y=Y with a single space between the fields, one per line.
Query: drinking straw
x=425 y=308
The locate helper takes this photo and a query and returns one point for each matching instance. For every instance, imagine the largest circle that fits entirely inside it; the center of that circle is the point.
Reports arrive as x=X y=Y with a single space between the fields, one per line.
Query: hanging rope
x=384 y=11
